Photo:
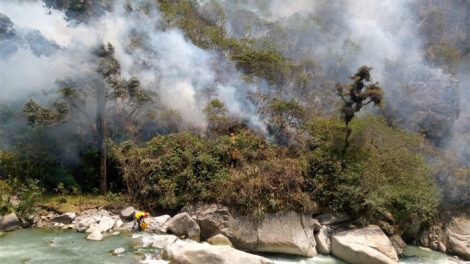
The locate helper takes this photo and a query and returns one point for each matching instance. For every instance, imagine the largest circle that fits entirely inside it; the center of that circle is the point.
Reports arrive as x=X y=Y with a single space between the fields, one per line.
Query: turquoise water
x=40 y=246
x=417 y=255
x=32 y=246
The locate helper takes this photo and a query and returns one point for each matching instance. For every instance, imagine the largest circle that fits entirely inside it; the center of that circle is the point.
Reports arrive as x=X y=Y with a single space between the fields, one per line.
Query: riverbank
x=58 y=246
x=290 y=233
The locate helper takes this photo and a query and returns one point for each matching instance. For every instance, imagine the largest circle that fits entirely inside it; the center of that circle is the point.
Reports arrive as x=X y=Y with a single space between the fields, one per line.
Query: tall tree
x=115 y=98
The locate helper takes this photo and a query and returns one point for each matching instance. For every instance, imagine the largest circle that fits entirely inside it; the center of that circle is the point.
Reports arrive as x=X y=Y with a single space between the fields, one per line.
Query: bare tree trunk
x=102 y=134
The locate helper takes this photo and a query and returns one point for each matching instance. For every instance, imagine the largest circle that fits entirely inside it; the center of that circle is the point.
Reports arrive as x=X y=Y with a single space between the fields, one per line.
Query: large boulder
x=194 y=253
x=458 y=231
x=219 y=240
x=158 y=223
x=286 y=232
x=435 y=237
x=9 y=222
x=65 y=218
x=106 y=223
x=323 y=240
x=183 y=225
x=364 y=245
x=84 y=224
x=127 y=213
x=216 y=219
x=398 y=244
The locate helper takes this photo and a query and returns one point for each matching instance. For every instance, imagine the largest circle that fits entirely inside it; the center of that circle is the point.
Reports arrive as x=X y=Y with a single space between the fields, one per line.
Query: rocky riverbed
x=212 y=234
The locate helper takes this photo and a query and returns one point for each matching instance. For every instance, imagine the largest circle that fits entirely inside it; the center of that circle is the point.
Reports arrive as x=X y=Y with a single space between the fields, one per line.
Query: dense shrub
x=243 y=170
x=381 y=175
x=27 y=193
x=170 y=171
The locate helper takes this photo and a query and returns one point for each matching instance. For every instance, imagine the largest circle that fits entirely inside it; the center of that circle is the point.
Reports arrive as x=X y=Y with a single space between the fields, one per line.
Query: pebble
x=118 y=251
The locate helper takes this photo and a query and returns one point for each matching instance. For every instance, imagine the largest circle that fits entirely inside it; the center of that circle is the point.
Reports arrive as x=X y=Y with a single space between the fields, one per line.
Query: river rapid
x=40 y=246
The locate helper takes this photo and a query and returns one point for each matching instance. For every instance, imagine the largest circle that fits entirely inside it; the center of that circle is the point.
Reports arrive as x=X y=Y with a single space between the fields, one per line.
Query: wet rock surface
x=363 y=245
x=9 y=222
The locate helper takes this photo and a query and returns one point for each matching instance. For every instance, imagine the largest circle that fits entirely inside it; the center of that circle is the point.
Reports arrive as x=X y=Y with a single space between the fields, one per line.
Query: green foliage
x=179 y=169
x=39 y=115
x=218 y=121
x=283 y=119
x=382 y=173
x=5 y=193
x=27 y=192
x=170 y=171
x=267 y=63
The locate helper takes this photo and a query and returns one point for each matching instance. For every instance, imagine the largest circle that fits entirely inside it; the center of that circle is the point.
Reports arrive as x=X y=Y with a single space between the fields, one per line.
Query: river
x=31 y=246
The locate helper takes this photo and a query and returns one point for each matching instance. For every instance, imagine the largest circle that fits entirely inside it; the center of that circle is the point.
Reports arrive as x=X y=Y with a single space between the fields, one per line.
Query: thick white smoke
x=163 y=60
x=340 y=36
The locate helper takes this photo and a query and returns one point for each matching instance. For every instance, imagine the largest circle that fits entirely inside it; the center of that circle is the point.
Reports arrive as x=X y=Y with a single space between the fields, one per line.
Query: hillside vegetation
x=319 y=145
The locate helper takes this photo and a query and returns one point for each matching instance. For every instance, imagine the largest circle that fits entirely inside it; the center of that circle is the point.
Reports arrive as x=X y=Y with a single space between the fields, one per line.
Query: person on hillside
x=139 y=223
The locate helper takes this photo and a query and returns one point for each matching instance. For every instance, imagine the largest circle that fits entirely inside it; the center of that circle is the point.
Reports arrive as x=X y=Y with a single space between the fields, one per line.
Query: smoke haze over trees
x=264 y=71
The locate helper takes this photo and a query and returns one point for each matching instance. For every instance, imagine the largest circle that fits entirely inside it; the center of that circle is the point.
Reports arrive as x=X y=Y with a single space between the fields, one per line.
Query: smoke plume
x=184 y=76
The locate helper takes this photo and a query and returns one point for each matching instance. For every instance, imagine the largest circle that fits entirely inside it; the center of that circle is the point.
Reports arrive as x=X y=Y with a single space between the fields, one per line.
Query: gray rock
x=365 y=245
x=92 y=228
x=162 y=241
x=9 y=222
x=106 y=223
x=65 y=219
x=316 y=225
x=127 y=213
x=158 y=223
x=125 y=227
x=323 y=240
x=96 y=236
x=398 y=244
x=118 y=224
x=388 y=228
x=102 y=212
x=216 y=219
x=183 y=225
x=118 y=251
x=435 y=237
x=458 y=231
x=333 y=219
x=195 y=253
x=219 y=240
x=411 y=232
x=286 y=232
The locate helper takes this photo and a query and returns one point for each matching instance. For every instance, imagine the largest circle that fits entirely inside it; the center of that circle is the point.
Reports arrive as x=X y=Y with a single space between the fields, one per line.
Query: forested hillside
x=352 y=106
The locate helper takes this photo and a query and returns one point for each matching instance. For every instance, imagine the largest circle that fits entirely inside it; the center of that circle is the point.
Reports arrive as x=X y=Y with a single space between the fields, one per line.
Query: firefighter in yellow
x=139 y=223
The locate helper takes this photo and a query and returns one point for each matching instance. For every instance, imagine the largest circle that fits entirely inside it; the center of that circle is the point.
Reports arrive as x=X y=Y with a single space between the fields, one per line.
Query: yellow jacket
x=139 y=215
